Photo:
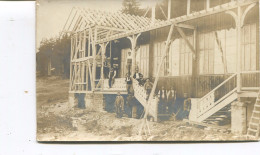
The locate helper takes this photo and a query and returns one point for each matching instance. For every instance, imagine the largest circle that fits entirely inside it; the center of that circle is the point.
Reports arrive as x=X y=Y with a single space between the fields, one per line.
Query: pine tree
x=132 y=7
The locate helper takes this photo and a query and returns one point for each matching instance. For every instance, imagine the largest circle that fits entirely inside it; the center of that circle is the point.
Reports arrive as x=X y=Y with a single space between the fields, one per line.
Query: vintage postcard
x=148 y=70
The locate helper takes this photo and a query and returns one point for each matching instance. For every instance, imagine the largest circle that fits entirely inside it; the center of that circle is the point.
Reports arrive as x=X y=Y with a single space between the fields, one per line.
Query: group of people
x=119 y=102
x=167 y=97
x=167 y=100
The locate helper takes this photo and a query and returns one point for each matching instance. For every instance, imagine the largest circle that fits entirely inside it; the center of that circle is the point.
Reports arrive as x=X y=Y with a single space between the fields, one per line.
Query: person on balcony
x=129 y=82
x=111 y=75
x=148 y=88
x=119 y=104
x=129 y=61
x=138 y=76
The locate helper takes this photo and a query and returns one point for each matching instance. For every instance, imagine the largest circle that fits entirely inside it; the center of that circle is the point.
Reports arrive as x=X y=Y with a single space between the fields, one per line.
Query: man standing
x=186 y=108
x=128 y=81
x=171 y=97
x=148 y=88
x=138 y=76
x=111 y=75
x=130 y=103
x=119 y=103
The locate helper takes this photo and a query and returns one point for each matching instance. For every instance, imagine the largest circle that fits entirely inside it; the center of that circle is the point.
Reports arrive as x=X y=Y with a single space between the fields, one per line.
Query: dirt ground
x=57 y=122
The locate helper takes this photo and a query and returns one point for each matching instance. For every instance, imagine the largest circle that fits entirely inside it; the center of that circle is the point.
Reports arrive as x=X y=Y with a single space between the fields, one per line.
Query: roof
x=81 y=18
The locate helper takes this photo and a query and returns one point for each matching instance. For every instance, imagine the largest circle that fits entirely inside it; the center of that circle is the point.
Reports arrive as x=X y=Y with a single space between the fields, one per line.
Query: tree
x=132 y=7
x=56 y=50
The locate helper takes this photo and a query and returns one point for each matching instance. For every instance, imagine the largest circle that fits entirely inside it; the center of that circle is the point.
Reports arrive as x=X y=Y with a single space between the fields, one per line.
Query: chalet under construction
x=206 y=51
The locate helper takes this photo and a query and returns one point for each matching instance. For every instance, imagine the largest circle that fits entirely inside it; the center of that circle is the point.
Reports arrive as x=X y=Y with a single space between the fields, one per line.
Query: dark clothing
x=186 y=108
x=171 y=97
x=119 y=103
x=128 y=84
x=130 y=103
x=163 y=101
x=111 y=75
x=139 y=78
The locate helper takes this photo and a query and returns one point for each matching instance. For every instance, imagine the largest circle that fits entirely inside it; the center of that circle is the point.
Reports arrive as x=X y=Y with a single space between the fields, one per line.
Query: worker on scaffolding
x=119 y=104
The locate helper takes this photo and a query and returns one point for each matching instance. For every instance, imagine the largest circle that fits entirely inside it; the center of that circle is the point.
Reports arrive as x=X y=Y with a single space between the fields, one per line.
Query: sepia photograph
x=147 y=70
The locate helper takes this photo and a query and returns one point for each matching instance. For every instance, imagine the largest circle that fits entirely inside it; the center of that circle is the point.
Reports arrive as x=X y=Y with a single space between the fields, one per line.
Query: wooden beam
x=207 y=4
x=169 y=9
x=238 y=29
x=223 y=54
x=245 y=13
x=153 y=15
x=185 y=26
x=174 y=20
x=168 y=41
x=188 y=7
x=187 y=41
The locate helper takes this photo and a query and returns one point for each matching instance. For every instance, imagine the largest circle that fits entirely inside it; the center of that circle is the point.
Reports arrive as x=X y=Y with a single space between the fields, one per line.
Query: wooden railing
x=250 y=80
x=216 y=95
x=119 y=84
x=140 y=95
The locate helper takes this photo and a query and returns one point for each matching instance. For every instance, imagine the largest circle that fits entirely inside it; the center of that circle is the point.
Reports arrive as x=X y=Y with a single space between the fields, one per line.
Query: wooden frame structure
x=90 y=38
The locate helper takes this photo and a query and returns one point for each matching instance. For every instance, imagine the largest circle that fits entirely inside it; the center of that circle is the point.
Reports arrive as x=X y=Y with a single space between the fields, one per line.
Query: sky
x=52 y=14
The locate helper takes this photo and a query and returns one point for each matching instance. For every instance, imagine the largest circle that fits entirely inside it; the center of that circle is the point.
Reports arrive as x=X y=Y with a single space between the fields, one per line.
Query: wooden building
x=207 y=49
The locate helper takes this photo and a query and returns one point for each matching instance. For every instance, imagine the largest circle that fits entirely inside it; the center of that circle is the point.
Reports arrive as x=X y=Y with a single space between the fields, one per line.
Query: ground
x=57 y=122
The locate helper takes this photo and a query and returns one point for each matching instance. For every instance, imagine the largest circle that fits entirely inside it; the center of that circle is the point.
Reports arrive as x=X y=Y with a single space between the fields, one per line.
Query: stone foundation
x=72 y=100
x=239 y=117
x=94 y=102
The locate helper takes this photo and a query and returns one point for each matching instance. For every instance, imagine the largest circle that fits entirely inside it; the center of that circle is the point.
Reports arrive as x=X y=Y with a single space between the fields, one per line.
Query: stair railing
x=140 y=95
x=218 y=93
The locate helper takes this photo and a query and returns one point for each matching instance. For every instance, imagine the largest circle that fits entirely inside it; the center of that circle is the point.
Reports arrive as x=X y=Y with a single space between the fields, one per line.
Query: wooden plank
x=157 y=76
x=188 y=7
x=169 y=9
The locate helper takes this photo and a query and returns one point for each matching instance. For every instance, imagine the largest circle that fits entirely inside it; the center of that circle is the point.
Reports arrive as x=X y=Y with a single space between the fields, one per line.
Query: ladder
x=254 y=124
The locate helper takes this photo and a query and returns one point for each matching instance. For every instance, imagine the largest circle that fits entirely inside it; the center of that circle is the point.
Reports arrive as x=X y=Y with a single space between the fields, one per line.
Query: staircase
x=140 y=95
x=222 y=117
x=209 y=107
x=254 y=124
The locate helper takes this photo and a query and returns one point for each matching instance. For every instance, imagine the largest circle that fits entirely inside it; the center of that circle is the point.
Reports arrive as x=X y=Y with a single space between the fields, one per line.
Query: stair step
x=257 y=105
x=253 y=130
x=255 y=124
x=256 y=111
x=255 y=118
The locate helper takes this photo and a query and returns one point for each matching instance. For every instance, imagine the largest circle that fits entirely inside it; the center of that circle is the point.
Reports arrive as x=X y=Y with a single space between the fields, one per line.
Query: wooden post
x=238 y=27
x=153 y=14
x=194 y=64
x=94 y=58
x=207 y=4
x=133 y=41
x=169 y=9
x=156 y=78
x=188 y=7
x=103 y=51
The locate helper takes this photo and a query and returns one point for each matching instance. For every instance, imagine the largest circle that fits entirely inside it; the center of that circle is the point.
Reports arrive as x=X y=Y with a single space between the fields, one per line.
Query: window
x=174 y=56
x=206 y=53
x=185 y=57
x=142 y=60
x=123 y=69
x=248 y=54
x=157 y=57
